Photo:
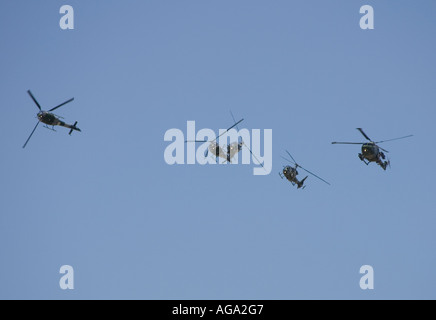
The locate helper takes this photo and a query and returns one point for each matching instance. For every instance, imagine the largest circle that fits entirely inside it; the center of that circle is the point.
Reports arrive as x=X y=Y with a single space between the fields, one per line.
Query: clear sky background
x=105 y=202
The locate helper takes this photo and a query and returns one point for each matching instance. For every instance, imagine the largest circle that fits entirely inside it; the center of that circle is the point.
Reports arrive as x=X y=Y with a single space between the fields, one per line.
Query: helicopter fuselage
x=219 y=152
x=233 y=149
x=49 y=119
x=216 y=150
x=291 y=174
x=371 y=152
x=52 y=120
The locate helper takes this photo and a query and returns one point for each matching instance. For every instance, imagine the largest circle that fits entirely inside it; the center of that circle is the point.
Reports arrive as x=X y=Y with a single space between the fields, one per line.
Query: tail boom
x=301 y=183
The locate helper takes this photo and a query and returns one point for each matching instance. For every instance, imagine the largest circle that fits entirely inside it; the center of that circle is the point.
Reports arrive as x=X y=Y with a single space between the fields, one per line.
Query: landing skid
x=52 y=128
x=363 y=159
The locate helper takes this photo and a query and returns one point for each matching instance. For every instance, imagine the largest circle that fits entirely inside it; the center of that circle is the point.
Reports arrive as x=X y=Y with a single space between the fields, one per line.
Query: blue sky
x=105 y=202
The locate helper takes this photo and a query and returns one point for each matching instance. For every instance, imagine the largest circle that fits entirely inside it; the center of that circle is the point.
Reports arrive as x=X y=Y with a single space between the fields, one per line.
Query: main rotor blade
x=235 y=125
x=291 y=156
x=411 y=135
x=31 y=135
x=234 y=120
x=254 y=156
x=290 y=161
x=383 y=149
x=348 y=142
x=34 y=100
x=364 y=134
x=53 y=109
x=314 y=175
x=287 y=160
x=196 y=141
x=230 y=128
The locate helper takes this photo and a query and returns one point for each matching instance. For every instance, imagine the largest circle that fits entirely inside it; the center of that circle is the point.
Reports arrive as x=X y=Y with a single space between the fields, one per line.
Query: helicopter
x=50 y=119
x=371 y=152
x=291 y=173
x=229 y=151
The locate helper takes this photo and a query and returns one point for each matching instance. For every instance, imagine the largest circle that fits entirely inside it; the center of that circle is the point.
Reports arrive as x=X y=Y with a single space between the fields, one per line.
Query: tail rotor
x=73 y=127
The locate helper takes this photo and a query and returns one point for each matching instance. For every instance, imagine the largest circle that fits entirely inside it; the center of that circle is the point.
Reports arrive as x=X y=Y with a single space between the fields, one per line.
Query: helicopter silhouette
x=230 y=150
x=50 y=119
x=371 y=152
x=291 y=173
